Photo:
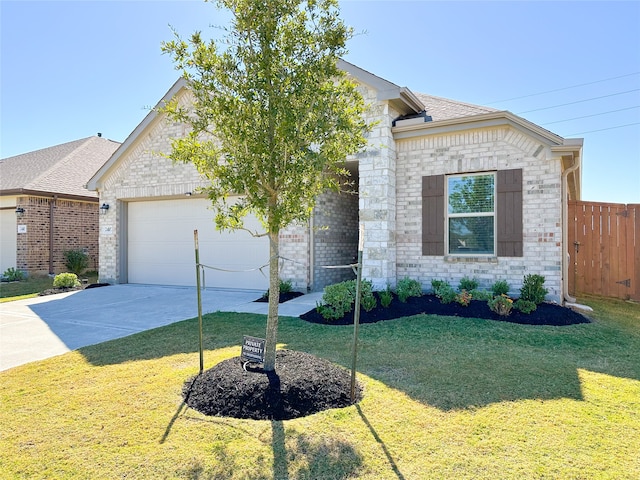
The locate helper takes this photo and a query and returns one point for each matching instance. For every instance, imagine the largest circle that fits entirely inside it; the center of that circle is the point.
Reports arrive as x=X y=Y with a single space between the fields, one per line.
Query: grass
x=444 y=398
x=31 y=286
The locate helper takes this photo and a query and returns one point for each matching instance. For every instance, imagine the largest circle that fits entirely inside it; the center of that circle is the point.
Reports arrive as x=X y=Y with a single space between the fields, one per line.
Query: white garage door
x=161 y=248
x=8 y=242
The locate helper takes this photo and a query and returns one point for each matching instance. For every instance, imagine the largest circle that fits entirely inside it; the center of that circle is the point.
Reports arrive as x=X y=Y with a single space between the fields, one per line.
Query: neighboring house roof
x=60 y=170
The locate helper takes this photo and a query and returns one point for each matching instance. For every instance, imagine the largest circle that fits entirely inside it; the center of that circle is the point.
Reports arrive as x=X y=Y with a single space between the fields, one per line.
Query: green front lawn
x=444 y=398
x=31 y=286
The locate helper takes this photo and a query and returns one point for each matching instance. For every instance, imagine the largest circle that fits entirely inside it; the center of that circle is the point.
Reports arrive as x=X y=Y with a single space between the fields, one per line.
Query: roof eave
x=96 y=181
x=401 y=98
x=42 y=193
x=491 y=119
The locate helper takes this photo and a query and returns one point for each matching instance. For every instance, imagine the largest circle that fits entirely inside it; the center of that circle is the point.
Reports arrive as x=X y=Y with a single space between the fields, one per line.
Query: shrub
x=445 y=293
x=525 y=306
x=468 y=284
x=532 y=289
x=408 y=288
x=435 y=284
x=338 y=299
x=502 y=305
x=76 y=261
x=367 y=298
x=286 y=286
x=385 y=297
x=481 y=295
x=66 y=280
x=501 y=287
x=13 y=275
x=464 y=298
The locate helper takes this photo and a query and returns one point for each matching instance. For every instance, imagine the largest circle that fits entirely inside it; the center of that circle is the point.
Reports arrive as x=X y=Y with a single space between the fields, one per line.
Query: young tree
x=272 y=118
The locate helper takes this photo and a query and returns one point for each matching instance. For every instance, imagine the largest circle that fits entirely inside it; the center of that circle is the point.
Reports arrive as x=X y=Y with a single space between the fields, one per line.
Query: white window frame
x=448 y=215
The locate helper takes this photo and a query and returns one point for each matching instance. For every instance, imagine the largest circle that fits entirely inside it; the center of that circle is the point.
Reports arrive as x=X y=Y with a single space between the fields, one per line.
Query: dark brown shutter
x=509 y=212
x=433 y=215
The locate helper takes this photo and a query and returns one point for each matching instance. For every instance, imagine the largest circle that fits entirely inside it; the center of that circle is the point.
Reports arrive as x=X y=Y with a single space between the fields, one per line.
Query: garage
x=160 y=246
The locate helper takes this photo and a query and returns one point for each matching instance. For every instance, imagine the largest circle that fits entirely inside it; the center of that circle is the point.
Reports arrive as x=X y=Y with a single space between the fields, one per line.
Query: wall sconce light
x=19 y=211
x=104 y=208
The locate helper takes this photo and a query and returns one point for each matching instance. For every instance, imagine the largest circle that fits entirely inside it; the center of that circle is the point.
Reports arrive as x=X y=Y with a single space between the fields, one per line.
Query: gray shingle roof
x=444 y=109
x=62 y=169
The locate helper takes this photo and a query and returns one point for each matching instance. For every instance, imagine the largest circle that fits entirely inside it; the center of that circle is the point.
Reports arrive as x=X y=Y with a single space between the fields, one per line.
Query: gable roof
x=59 y=170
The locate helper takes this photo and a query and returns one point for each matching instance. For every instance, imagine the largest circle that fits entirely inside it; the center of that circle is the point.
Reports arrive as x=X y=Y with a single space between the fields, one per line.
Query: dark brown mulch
x=284 y=297
x=53 y=291
x=301 y=385
x=545 y=314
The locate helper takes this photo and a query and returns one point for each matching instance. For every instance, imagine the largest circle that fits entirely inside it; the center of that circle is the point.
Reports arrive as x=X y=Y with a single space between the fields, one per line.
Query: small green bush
x=468 y=284
x=525 y=306
x=481 y=295
x=66 y=280
x=445 y=293
x=407 y=287
x=386 y=297
x=532 y=289
x=502 y=305
x=76 y=261
x=13 y=275
x=435 y=284
x=339 y=299
x=286 y=286
x=501 y=287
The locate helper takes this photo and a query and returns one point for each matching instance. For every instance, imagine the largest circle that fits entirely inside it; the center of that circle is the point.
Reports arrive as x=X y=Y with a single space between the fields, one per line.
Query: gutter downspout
x=565 y=226
x=311 y=268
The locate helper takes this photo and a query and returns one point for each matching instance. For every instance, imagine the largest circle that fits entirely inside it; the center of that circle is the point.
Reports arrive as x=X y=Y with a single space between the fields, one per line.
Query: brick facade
x=75 y=226
x=483 y=150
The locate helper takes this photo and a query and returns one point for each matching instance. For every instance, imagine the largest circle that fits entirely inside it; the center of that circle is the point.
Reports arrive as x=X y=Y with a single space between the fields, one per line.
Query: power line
x=603 y=129
x=579 y=101
x=593 y=115
x=563 y=88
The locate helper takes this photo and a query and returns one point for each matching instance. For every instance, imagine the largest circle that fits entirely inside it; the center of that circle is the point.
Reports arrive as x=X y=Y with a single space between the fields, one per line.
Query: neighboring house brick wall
x=75 y=226
x=488 y=149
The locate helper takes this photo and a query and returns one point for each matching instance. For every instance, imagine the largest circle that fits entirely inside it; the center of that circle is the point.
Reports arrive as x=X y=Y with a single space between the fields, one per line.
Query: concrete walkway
x=42 y=327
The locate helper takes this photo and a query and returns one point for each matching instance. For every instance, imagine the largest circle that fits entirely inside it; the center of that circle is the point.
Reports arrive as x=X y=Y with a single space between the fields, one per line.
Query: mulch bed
x=301 y=385
x=284 y=297
x=545 y=314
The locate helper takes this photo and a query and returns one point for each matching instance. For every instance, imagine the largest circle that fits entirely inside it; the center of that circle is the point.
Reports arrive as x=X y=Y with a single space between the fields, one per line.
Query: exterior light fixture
x=19 y=211
x=104 y=208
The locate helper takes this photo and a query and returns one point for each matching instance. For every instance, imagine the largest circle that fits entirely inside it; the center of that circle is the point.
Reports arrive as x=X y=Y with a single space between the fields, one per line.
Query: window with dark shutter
x=509 y=212
x=433 y=215
x=465 y=214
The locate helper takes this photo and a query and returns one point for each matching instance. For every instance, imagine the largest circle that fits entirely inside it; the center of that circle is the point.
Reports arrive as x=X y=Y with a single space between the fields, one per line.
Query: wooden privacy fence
x=604 y=249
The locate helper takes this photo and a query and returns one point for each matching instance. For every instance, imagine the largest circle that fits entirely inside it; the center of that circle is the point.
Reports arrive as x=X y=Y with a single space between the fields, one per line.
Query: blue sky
x=71 y=69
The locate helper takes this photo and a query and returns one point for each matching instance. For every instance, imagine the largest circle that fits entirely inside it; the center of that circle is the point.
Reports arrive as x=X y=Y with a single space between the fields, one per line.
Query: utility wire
x=563 y=88
x=602 y=129
x=578 y=101
x=593 y=115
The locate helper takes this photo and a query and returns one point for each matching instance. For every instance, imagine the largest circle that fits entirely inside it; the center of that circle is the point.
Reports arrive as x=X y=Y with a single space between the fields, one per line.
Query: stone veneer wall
x=75 y=226
x=489 y=149
x=377 y=195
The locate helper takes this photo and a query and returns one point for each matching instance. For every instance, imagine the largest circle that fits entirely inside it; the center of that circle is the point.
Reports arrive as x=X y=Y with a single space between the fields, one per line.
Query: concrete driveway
x=42 y=327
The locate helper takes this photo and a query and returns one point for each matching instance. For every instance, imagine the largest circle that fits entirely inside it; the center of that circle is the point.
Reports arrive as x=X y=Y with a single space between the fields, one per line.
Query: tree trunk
x=274 y=298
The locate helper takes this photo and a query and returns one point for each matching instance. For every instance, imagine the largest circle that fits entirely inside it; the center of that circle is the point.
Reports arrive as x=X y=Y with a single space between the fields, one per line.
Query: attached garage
x=160 y=246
